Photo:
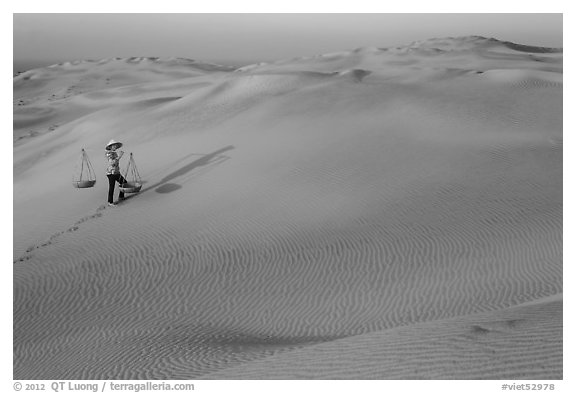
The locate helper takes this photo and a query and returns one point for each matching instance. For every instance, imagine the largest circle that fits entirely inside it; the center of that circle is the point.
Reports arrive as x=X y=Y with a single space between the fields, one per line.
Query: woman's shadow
x=206 y=161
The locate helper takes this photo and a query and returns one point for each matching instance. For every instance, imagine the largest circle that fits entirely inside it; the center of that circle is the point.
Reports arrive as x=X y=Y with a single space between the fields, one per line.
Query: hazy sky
x=248 y=38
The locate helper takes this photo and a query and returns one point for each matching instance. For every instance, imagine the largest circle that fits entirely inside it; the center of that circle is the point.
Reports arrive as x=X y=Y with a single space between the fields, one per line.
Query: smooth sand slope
x=378 y=213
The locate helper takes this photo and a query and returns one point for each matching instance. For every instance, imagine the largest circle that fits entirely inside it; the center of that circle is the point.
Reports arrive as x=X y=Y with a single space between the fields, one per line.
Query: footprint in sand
x=27 y=255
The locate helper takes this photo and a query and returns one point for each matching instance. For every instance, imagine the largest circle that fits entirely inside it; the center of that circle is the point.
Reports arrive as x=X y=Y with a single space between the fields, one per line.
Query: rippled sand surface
x=372 y=214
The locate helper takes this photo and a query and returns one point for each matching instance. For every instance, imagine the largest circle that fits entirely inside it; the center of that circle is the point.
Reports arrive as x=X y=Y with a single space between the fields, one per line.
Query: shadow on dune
x=167 y=188
x=207 y=160
x=531 y=49
x=242 y=342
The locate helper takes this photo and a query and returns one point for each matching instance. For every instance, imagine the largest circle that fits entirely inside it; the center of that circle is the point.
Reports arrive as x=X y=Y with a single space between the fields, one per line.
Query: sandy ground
x=371 y=214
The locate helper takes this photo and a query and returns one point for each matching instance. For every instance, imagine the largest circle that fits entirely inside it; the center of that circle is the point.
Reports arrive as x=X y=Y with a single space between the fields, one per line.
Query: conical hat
x=113 y=142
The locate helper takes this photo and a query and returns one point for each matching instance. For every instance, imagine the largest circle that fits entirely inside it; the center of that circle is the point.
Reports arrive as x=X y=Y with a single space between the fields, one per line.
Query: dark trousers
x=112 y=179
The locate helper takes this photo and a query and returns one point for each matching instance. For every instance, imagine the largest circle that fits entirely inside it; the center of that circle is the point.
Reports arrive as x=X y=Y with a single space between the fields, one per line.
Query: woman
x=113 y=170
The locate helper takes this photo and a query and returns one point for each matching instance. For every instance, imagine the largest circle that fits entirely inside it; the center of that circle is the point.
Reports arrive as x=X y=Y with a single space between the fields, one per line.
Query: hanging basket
x=129 y=187
x=84 y=176
x=84 y=183
x=133 y=181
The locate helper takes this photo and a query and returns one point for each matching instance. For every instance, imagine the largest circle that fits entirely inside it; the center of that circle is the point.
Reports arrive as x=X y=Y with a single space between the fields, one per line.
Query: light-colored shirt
x=113 y=163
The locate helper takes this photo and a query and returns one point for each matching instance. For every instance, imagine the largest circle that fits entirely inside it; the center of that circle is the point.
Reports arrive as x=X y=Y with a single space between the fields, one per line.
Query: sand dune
x=515 y=343
x=49 y=97
x=391 y=210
